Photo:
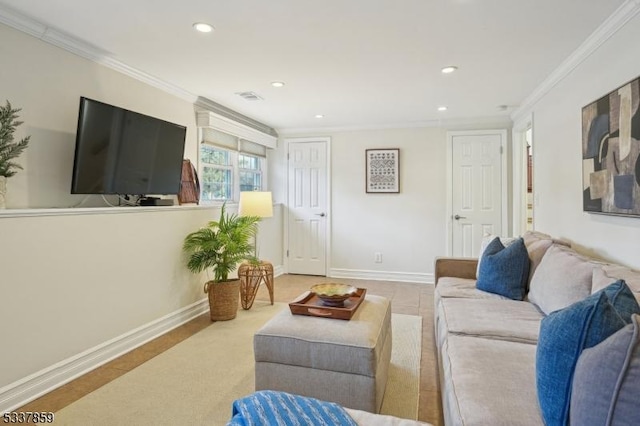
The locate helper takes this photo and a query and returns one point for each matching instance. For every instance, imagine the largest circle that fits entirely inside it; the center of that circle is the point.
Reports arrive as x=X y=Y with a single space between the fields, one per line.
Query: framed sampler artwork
x=383 y=170
x=611 y=152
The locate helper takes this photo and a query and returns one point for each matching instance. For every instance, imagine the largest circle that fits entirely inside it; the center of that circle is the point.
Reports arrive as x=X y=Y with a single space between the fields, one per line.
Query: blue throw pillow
x=622 y=298
x=504 y=270
x=565 y=333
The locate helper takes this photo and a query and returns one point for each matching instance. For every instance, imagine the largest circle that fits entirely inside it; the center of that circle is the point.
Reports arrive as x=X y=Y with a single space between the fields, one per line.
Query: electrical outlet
x=377 y=257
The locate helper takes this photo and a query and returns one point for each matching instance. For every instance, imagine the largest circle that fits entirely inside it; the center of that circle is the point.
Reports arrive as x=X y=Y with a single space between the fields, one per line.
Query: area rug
x=196 y=381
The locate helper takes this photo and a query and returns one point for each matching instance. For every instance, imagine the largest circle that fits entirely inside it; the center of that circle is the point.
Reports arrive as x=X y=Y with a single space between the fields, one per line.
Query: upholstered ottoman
x=335 y=360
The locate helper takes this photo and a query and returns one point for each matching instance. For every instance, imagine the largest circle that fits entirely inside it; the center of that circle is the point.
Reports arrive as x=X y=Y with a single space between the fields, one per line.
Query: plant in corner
x=221 y=246
x=9 y=149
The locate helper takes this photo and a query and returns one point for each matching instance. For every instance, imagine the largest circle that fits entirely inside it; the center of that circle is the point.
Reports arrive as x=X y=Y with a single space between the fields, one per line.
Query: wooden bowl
x=333 y=294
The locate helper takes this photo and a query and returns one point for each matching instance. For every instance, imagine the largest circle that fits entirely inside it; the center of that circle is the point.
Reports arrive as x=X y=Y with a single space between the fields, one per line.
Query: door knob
x=458 y=217
x=321 y=214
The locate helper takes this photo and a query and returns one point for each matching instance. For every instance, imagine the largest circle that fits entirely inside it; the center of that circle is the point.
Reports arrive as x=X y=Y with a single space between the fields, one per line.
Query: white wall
x=557 y=155
x=47 y=82
x=407 y=228
x=71 y=283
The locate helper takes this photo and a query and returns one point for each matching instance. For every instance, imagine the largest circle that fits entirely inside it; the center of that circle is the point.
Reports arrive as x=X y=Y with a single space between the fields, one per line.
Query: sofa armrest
x=458 y=267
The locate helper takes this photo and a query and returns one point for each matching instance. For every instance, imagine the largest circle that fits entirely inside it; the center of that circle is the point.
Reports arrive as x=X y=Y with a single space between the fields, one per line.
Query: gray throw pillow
x=562 y=278
x=565 y=333
x=606 y=381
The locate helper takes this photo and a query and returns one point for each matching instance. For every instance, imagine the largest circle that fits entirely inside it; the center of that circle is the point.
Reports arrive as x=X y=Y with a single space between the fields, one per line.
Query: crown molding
x=78 y=47
x=21 y=23
x=452 y=123
x=604 y=32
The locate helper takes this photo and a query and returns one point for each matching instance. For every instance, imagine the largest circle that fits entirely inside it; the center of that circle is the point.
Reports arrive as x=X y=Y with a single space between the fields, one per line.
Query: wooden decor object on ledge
x=250 y=278
x=189 y=184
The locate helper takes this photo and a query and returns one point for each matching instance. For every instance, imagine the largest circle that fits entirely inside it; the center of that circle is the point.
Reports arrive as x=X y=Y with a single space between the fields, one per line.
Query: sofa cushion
x=562 y=278
x=486 y=240
x=564 y=334
x=537 y=245
x=489 y=382
x=606 y=383
x=449 y=287
x=492 y=319
x=607 y=274
x=504 y=270
x=364 y=418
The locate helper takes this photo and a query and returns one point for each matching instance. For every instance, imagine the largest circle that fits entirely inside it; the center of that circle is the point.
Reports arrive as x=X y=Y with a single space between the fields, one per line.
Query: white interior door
x=477 y=189
x=308 y=213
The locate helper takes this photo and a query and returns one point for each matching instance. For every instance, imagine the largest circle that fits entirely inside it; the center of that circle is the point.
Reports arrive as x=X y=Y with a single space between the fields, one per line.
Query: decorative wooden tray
x=310 y=304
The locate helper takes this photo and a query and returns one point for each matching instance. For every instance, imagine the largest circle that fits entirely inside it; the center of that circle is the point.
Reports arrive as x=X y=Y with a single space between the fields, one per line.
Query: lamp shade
x=255 y=203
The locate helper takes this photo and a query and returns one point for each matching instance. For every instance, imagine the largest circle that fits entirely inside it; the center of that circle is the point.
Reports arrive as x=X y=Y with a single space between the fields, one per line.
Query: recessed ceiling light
x=449 y=69
x=277 y=83
x=319 y=116
x=442 y=108
x=202 y=27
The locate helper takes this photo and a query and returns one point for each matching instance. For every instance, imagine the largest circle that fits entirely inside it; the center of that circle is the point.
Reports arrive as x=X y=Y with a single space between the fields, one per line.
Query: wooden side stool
x=250 y=278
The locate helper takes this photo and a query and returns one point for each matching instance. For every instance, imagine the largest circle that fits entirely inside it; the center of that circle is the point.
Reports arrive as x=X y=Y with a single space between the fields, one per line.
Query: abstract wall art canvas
x=383 y=170
x=611 y=152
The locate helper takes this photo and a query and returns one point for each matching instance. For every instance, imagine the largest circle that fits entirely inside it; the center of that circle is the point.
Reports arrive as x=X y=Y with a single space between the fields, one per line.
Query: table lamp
x=255 y=203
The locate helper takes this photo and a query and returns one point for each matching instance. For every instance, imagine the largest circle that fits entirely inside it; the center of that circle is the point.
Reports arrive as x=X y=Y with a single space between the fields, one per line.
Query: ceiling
x=360 y=63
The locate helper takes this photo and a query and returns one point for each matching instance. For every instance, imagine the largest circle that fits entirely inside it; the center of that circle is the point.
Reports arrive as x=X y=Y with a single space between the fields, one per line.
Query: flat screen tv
x=124 y=152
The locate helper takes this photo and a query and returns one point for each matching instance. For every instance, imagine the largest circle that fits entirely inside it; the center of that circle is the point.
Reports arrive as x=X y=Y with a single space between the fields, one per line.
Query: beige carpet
x=195 y=382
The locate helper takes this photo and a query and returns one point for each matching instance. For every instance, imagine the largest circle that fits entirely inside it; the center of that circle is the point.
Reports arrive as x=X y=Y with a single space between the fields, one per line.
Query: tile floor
x=406 y=298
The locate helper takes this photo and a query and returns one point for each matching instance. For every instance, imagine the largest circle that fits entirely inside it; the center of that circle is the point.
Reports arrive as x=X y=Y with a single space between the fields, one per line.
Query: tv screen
x=124 y=152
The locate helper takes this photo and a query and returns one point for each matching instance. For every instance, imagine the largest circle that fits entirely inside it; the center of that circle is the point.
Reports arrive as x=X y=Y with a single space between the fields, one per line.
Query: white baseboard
x=31 y=387
x=413 y=277
x=278 y=270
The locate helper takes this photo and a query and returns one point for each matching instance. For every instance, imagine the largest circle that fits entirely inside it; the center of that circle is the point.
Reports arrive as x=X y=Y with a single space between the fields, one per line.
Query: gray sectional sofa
x=487 y=343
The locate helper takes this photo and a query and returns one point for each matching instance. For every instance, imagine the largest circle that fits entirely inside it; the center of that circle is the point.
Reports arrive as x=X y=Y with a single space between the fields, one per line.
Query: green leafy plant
x=221 y=245
x=9 y=149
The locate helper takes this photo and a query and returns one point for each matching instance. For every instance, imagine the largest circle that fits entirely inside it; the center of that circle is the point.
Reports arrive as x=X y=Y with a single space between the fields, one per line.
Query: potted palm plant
x=9 y=149
x=221 y=246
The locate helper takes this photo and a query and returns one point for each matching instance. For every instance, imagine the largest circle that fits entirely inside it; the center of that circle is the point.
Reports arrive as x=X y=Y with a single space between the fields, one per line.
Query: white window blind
x=219 y=139
x=252 y=148
x=229 y=165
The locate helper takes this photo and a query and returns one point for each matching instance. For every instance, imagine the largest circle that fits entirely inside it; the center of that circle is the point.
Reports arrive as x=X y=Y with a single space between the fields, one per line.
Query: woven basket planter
x=224 y=298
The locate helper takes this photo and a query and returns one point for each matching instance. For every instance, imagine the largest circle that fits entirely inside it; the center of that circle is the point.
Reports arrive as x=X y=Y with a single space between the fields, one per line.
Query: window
x=250 y=172
x=216 y=174
x=226 y=172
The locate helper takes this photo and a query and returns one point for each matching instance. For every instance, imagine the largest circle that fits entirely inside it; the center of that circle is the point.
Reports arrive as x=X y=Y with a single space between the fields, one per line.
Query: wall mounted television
x=124 y=152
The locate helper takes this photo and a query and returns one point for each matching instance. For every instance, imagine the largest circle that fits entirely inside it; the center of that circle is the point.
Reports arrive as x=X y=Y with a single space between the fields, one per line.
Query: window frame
x=258 y=171
x=225 y=167
x=234 y=166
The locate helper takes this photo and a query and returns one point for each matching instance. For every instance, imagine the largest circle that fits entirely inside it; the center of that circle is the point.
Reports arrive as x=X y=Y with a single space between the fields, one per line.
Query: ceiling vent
x=250 y=96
